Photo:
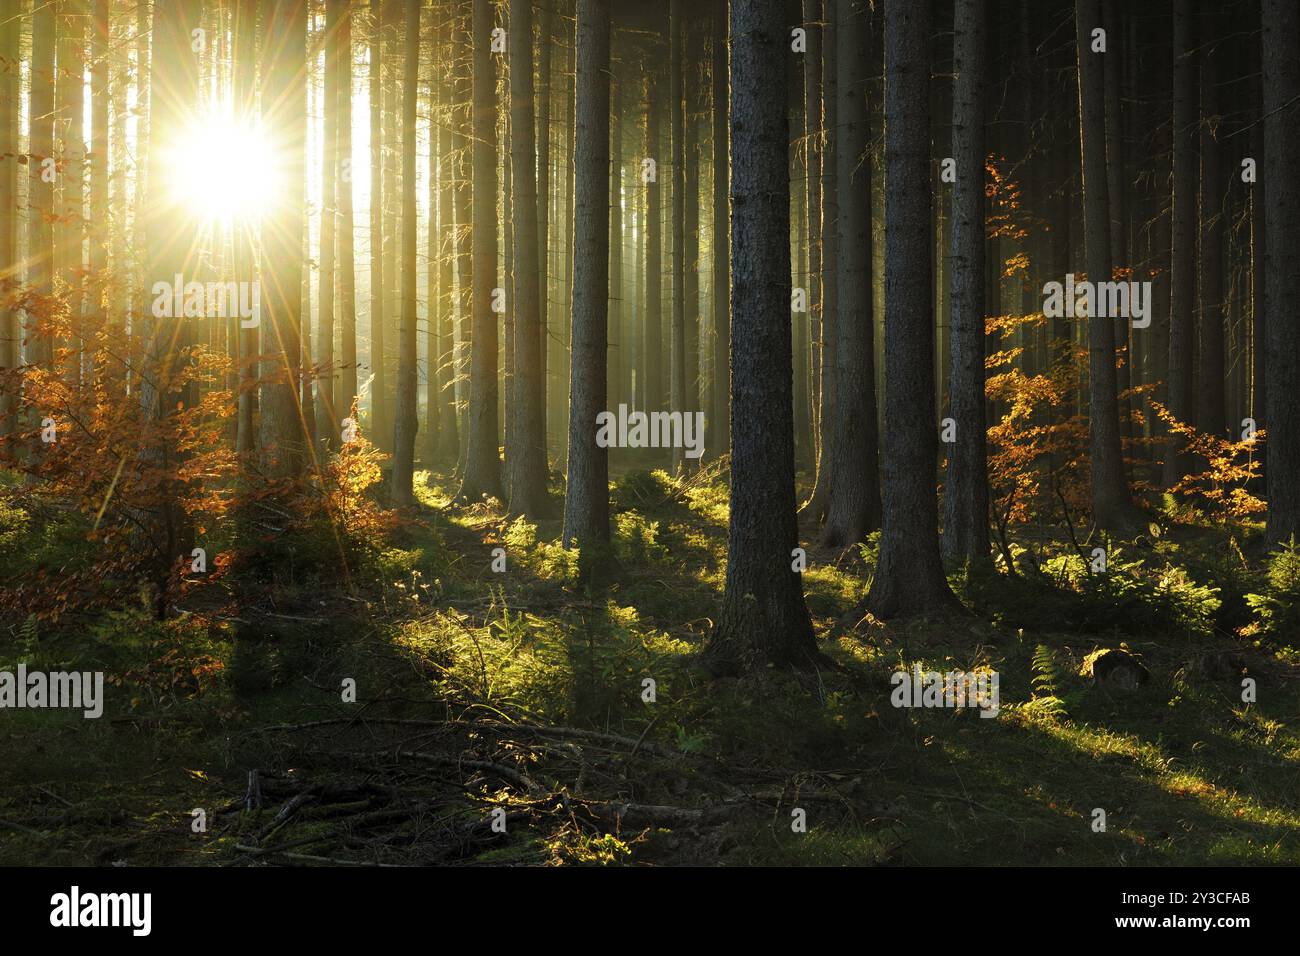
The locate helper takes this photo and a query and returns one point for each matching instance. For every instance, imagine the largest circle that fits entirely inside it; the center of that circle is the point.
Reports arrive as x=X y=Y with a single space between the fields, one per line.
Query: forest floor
x=515 y=701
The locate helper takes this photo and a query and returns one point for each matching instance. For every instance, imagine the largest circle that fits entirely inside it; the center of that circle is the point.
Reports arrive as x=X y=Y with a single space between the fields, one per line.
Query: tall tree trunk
x=482 y=457
x=526 y=467
x=805 y=418
x=1110 y=498
x=719 y=440
x=763 y=619
x=40 y=189
x=443 y=245
x=327 y=419
x=10 y=267
x=855 y=500
x=966 y=491
x=586 y=505
x=828 y=391
x=654 y=352
x=1211 y=412
x=284 y=86
x=1182 y=298
x=97 y=159
x=346 y=284
x=244 y=70
x=379 y=425
x=909 y=575
x=546 y=45
x=1281 y=28
x=676 y=105
x=407 y=422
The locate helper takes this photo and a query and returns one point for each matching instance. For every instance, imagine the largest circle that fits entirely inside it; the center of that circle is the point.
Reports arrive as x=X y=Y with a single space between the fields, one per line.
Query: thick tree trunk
x=526 y=467
x=586 y=505
x=966 y=491
x=1110 y=497
x=1281 y=23
x=855 y=501
x=482 y=455
x=909 y=575
x=763 y=619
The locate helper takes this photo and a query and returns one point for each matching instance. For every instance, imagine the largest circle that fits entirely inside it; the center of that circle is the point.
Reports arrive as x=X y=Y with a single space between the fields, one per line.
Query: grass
x=1185 y=771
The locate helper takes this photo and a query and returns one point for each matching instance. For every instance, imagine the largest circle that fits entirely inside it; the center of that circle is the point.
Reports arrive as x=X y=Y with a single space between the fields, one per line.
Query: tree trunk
x=909 y=575
x=763 y=619
x=1211 y=411
x=1182 y=298
x=10 y=267
x=378 y=381
x=855 y=500
x=546 y=45
x=966 y=491
x=828 y=391
x=482 y=455
x=1110 y=498
x=586 y=505
x=327 y=419
x=346 y=288
x=719 y=440
x=1281 y=21
x=284 y=86
x=526 y=467
x=407 y=423
x=677 y=349
x=654 y=351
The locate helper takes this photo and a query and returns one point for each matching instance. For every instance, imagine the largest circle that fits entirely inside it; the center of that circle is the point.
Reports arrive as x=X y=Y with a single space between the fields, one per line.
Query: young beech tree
x=763 y=619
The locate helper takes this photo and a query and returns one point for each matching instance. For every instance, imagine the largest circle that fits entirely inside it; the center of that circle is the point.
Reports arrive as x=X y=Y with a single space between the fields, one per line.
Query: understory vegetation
x=525 y=691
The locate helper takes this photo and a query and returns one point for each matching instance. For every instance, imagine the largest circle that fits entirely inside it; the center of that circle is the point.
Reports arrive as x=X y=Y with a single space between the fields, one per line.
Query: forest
x=649 y=432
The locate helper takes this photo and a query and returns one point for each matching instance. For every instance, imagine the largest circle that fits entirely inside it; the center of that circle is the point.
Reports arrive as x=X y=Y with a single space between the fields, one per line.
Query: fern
x=1047 y=684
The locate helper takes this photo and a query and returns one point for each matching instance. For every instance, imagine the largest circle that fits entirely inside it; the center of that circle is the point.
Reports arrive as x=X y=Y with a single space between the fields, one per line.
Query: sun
x=221 y=166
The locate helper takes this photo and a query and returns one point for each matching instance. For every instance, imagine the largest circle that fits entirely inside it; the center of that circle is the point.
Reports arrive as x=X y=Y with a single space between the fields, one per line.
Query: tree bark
x=763 y=619
x=1182 y=298
x=482 y=456
x=407 y=422
x=526 y=468
x=966 y=491
x=1110 y=497
x=586 y=504
x=1281 y=26
x=909 y=576
x=855 y=501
